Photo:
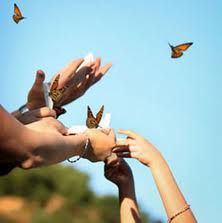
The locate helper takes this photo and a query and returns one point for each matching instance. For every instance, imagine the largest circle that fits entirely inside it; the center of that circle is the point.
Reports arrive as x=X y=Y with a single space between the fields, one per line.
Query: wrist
x=158 y=163
x=81 y=138
x=127 y=189
x=125 y=184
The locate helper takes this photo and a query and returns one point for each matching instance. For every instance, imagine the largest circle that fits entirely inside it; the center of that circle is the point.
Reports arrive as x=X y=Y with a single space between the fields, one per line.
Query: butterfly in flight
x=17 y=17
x=91 y=121
x=56 y=94
x=177 y=51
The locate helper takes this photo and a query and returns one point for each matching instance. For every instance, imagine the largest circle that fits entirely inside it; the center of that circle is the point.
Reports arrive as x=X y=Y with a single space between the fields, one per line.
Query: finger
x=100 y=73
x=44 y=112
x=40 y=77
x=120 y=149
x=69 y=70
x=129 y=133
x=124 y=155
x=97 y=63
x=104 y=69
x=122 y=142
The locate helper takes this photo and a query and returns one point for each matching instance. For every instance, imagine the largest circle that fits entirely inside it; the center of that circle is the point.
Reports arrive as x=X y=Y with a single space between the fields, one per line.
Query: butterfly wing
x=55 y=83
x=99 y=114
x=91 y=120
x=17 y=14
x=183 y=47
x=17 y=11
x=177 y=51
x=55 y=93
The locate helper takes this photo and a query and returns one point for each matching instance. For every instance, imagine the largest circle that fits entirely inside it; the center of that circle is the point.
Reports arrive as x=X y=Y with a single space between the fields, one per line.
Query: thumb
x=40 y=77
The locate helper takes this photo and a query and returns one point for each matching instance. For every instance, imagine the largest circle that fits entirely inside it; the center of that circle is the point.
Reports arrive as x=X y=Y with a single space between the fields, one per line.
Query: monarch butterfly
x=56 y=94
x=17 y=17
x=91 y=121
x=177 y=51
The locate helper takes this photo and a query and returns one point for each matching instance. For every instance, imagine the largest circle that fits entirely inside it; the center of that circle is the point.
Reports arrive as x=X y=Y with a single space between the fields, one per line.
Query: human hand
x=36 y=115
x=36 y=97
x=48 y=125
x=135 y=146
x=78 y=82
x=118 y=172
x=101 y=144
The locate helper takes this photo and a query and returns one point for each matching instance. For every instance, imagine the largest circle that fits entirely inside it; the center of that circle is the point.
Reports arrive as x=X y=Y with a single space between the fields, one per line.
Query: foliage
x=80 y=204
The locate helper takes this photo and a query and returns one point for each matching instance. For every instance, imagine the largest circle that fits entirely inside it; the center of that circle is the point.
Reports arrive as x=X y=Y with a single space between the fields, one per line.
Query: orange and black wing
x=17 y=14
x=91 y=120
x=177 y=51
x=55 y=83
x=99 y=115
x=56 y=93
x=183 y=47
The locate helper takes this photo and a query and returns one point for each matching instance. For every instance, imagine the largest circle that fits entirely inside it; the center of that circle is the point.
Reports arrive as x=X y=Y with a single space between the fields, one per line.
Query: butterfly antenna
x=170 y=45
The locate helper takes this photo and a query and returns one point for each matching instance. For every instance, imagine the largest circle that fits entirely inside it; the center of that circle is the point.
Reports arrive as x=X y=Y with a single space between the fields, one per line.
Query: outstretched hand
x=135 y=146
x=76 y=82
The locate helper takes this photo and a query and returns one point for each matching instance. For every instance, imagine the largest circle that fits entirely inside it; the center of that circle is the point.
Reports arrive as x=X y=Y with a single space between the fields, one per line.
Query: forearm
x=54 y=148
x=12 y=136
x=129 y=212
x=172 y=198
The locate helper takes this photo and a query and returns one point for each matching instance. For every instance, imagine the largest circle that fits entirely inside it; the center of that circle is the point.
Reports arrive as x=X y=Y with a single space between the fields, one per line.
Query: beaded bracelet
x=187 y=207
x=83 y=153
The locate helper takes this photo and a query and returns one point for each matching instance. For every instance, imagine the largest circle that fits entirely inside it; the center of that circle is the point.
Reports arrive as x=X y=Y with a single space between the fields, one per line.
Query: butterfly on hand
x=91 y=121
x=177 y=51
x=17 y=17
x=56 y=94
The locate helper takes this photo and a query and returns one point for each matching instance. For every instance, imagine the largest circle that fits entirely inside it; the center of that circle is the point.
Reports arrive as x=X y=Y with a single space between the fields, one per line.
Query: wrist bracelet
x=23 y=109
x=83 y=153
x=187 y=207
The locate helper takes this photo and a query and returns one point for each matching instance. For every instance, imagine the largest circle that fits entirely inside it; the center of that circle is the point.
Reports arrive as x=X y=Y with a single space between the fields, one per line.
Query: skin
x=118 y=171
x=45 y=142
x=34 y=115
x=77 y=83
x=135 y=146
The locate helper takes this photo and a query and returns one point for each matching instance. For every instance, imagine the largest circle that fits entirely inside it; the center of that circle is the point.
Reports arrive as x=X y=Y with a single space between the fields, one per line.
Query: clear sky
x=176 y=104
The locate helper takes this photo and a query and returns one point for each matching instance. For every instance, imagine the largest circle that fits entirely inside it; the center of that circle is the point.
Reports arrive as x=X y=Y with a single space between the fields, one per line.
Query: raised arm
x=135 y=146
x=46 y=142
x=117 y=171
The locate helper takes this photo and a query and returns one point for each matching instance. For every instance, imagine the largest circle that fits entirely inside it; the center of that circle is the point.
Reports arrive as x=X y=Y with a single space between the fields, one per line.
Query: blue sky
x=176 y=104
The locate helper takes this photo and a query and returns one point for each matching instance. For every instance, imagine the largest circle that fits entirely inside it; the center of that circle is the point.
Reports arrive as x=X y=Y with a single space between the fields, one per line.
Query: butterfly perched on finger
x=56 y=94
x=17 y=17
x=177 y=51
x=92 y=121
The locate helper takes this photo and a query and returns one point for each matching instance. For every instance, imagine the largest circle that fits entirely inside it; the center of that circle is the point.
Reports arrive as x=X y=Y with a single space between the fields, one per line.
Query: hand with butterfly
x=70 y=84
x=77 y=81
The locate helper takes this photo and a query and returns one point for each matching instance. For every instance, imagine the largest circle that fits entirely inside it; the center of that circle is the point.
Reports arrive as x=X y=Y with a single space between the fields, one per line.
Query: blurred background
x=176 y=104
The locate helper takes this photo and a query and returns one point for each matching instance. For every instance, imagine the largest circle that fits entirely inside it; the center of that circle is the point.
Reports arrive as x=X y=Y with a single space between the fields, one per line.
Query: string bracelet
x=83 y=153
x=187 y=207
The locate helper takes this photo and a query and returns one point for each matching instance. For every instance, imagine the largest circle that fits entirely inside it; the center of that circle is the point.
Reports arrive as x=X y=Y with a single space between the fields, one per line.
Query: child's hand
x=118 y=171
x=135 y=146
